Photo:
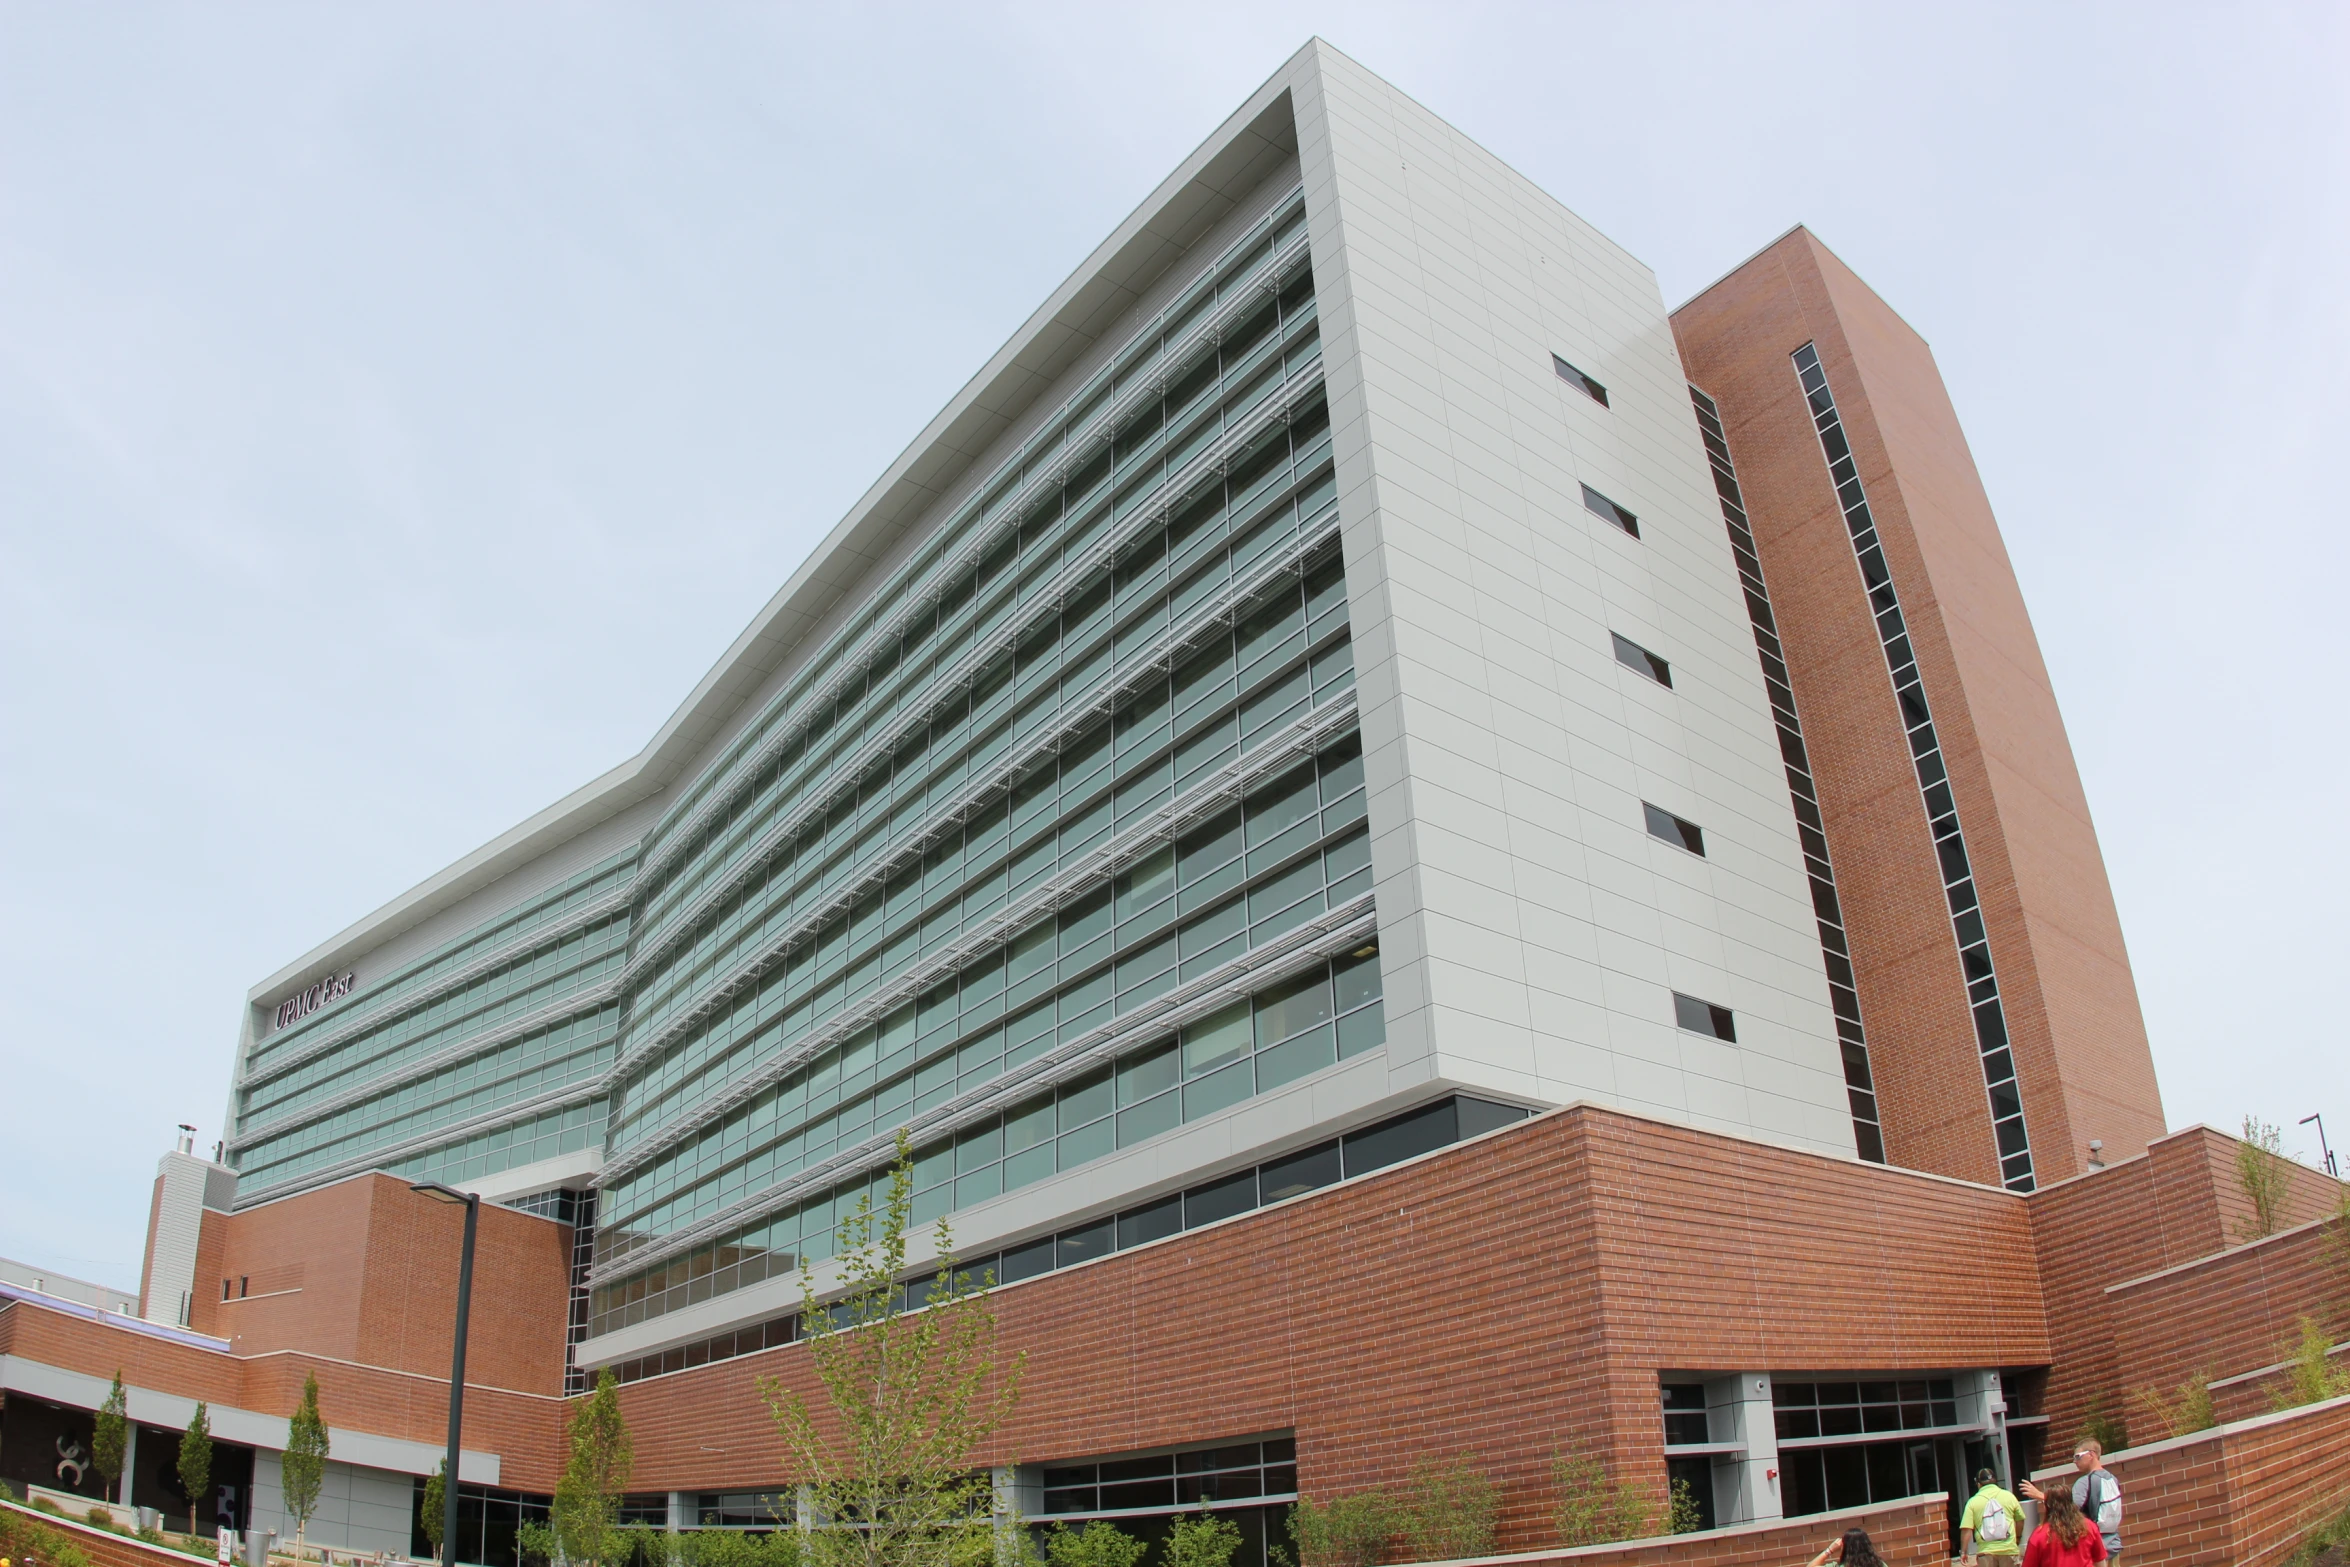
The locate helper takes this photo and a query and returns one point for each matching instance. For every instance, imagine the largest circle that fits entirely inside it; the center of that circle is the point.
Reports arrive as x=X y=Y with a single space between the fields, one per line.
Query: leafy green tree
x=1448 y=1510
x=585 y=1516
x=435 y=1506
x=1351 y=1531
x=1100 y=1543
x=1202 y=1539
x=302 y=1468
x=1591 y=1511
x=196 y=1461
x=910 y=1395
x=110 y=1441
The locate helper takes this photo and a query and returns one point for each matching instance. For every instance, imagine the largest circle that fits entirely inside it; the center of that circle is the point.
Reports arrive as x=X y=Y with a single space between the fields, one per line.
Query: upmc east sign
x=299 y=1006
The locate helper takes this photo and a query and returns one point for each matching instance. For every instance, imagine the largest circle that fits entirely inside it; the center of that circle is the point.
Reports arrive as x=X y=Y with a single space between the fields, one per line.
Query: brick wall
x=1500 y=1299
x=2231 y=1313
x=2179 y=1203
x=524 y=1428
x=2240 y=1495
x=2072 y=1007
x=366 y=1270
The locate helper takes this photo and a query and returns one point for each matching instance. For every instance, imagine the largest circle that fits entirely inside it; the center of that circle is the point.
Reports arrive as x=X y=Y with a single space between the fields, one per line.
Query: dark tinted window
x=1220 y=1199
x=1673 y=829
x=1579 y=381
x=1633 y=656
x=1600 y=506
x=1300 y=1172
x=1703 y=1017
x=1403 y=1138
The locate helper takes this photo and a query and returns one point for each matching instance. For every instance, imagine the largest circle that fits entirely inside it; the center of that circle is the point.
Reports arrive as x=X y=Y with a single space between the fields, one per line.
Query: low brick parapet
x=2237 y=1495
x=104 y=1547
x=1905 y=1533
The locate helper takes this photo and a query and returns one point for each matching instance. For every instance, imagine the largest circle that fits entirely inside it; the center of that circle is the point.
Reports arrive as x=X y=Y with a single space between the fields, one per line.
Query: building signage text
x=299 y=1006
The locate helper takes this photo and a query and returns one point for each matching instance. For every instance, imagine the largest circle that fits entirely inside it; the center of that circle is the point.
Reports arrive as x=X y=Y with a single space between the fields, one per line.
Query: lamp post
x=472 y=1205
x=2321 y=1143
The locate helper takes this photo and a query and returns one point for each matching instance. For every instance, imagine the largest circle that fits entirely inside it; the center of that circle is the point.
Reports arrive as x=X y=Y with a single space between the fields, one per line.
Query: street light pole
x=2321 y=1143
x=439 y=1193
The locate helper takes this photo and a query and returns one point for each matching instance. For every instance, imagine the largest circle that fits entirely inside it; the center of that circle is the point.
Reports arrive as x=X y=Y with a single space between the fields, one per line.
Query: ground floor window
x=487 y=1521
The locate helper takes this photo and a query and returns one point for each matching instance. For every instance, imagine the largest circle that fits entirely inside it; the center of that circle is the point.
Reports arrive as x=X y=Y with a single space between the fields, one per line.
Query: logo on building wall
x=300 y=1005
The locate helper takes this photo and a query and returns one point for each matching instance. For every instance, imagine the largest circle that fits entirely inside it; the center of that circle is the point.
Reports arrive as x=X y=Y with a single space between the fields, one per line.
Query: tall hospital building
x=1436 y=858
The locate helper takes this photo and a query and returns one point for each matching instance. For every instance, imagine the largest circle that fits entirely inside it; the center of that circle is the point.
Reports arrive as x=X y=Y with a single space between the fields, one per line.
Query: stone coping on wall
x=2273 y=1238
x=1759 y=1541
x=2146 y=1450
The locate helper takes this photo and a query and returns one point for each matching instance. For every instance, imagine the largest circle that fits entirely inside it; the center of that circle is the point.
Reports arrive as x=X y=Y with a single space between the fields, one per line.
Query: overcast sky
x=401 y=406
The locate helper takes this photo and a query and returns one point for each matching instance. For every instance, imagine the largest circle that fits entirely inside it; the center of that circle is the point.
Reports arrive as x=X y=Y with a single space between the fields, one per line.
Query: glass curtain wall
x=1059 y=842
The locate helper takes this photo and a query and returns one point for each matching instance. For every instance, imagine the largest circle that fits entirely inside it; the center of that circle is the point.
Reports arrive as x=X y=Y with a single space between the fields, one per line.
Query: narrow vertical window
x=1868 y=1133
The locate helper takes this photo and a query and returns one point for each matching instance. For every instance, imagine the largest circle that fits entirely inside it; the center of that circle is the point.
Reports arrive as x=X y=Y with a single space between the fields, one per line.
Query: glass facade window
x=1685 y=1418
x=1162 y=1482
x=1804 y=1410
x=490 y=1051
x=1293 y=1175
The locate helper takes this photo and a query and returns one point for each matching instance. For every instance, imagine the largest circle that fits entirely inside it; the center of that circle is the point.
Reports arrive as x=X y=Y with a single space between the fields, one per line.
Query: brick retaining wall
x=2240 y=1495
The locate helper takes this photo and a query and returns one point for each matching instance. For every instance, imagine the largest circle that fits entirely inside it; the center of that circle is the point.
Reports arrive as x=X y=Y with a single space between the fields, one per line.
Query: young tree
x=1100 y=1543
x=910 y=1395
x=302 y=1467
x=585 y=1516
x=2260 y=1170
x=1593 y=1512
x=2188 y=1409
x=2310 y=1373
x=196 y=1461
x=1351 y=1531
x=434 y=1506
x=110 y=1441
x=1448 y=1510
x=1202 y=1539
x=1682 y=1514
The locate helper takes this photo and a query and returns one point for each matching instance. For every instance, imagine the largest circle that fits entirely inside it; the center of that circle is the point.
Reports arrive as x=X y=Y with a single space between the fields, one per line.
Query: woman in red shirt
x=2064 y=1538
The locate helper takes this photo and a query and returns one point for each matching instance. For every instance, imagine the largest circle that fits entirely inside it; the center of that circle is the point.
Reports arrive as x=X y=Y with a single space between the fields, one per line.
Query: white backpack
x=2105 y=1502
x=1996 y=1527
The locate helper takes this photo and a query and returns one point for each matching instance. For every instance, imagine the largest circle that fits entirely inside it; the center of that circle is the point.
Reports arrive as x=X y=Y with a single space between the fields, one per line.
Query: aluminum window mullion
x=1293 y=951
x=1218 y=610
x=672 y=925
x=665 y=842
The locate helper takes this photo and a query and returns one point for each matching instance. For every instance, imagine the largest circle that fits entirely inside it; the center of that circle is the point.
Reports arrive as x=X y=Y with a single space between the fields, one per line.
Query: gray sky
x=401 y=406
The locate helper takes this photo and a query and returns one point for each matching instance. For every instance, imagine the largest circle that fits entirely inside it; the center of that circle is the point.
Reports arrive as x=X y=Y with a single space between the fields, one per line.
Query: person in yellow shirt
x=1993 y=1523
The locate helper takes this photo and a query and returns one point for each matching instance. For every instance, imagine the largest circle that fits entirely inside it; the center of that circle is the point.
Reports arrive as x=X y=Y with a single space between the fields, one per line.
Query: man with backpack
x=1993 y=1523
x=2096 y=1493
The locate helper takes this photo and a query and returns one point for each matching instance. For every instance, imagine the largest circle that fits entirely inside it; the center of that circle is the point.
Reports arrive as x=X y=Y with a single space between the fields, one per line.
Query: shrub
x=103 y=1517
x=2310 y=1373
x=1100 y=1543
x=1447 y=1510
x=2188 y=1408
x=1202 y=1539
x=1349 y=1532
x=21 y=1537
x=2330 y=1538
x=2109 y=1431
x=1593 y=1512
x=1682 y=1514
